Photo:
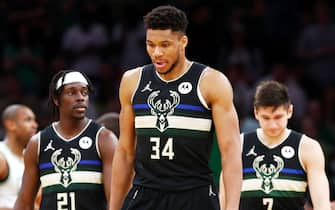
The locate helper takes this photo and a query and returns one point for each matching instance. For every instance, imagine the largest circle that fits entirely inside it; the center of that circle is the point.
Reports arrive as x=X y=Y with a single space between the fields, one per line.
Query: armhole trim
x=138 y=83
x=38 y=147
x=97 y=141
x=200 y=96
x=242 y=141
x=299 y=152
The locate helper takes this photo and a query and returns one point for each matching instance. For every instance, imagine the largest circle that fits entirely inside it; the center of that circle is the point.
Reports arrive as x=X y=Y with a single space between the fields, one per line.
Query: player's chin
x=164 y=71
x=79 y=116
x=273 y=133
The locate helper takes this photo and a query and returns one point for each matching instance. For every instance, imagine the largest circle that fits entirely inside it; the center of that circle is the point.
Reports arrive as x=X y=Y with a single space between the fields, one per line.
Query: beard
x=174 y=64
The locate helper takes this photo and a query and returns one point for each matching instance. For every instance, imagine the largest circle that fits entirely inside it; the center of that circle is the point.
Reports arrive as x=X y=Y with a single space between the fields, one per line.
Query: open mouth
x=160 y=64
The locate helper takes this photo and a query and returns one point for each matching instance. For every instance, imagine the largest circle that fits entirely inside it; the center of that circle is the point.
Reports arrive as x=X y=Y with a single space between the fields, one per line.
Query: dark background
x=292 y=41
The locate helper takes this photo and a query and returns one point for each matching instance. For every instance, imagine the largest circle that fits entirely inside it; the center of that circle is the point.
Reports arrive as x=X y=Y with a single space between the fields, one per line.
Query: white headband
x=71 y=77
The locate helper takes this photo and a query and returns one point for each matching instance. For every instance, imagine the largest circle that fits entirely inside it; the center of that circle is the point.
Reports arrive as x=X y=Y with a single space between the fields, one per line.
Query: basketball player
x=168 y=113
x=279 y=163
x=71 y=158
x=19 y=123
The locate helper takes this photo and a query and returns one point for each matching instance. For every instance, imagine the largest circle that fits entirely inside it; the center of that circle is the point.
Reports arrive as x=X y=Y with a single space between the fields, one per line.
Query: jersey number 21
x=64 y=200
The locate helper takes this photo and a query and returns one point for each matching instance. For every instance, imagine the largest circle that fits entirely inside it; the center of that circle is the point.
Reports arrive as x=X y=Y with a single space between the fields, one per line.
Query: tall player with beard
x=71 y=159
x=169 y=110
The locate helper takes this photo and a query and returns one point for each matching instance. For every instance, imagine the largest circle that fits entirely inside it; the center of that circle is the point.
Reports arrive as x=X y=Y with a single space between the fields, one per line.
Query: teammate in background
x=168 y=113
x=71 y=158
x=19 y=123
x=111 y=121
x=279 y=163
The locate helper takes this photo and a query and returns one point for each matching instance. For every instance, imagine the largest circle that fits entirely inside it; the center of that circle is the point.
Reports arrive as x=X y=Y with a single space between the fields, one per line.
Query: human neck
x=14 y=146
x=272 y=141
x=177 y=70
x=70 y=128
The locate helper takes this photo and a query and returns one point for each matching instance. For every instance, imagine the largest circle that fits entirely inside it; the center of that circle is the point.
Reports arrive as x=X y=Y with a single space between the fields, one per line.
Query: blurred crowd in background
x=291 y=41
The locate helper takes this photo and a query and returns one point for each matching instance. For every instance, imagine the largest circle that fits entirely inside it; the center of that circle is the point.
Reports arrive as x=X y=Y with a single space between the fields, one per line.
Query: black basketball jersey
x=71 y=170
x=273 y=178
x=174 y=131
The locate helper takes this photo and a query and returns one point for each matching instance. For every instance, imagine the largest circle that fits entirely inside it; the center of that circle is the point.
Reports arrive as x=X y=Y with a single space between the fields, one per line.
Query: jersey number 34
x=165 y=151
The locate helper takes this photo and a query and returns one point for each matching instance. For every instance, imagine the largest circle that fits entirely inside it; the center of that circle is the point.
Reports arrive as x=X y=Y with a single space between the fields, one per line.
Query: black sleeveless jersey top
x=71 y=170
x=174 y=131
x=273 y=178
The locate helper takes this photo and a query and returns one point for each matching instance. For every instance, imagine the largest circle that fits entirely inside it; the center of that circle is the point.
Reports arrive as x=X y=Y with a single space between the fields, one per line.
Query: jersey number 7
x=268 y=202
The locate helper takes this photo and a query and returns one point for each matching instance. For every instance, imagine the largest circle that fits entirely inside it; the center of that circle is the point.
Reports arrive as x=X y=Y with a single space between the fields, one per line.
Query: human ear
x=255 y=113
x=290 y=111
x=184 y=40
x=55 y=101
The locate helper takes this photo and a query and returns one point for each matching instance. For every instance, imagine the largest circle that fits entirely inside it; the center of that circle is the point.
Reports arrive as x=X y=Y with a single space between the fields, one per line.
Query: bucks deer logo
x=65 y=166
x=162 y=109
x=267 y=173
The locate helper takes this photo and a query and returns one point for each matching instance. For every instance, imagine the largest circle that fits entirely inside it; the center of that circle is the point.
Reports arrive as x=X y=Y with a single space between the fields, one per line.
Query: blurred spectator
x=236 y=73
x=255 y=26
x=111 y=121
x=203 y=36
x=27 y=55
x=237 y=51
x=130 y=35
x=328 y=102
x=9 y=82
x=314 y=125
x=316 y=46
x=85 y=41
x=281 y=27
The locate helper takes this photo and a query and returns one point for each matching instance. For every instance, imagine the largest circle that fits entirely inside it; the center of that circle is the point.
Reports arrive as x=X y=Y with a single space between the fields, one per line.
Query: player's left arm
x=313 y=160
x=107 y=144
x=218 y=94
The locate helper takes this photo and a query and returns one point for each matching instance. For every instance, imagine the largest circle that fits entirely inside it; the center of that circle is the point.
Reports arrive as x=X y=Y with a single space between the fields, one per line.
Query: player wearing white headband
x=71 y=77
x=65 y=78
x=71 y=159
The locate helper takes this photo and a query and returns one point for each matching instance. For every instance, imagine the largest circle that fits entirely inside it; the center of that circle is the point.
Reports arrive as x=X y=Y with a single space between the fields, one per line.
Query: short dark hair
x=271 y=94
x=166 y=17
x=10 y=112
x=54 y=93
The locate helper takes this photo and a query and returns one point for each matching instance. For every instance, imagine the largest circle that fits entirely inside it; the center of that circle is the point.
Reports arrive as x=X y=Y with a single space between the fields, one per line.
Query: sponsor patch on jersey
x=287 y=152
x=85 y=142
x=185 y=87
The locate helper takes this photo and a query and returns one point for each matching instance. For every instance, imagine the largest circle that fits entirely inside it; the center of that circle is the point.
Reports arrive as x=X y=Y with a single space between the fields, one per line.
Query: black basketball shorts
x=141 y=198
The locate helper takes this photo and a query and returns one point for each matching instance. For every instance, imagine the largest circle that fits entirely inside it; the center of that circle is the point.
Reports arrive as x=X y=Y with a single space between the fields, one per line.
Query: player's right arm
x=4 y=168
x=123 y=163
x=30 y=180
